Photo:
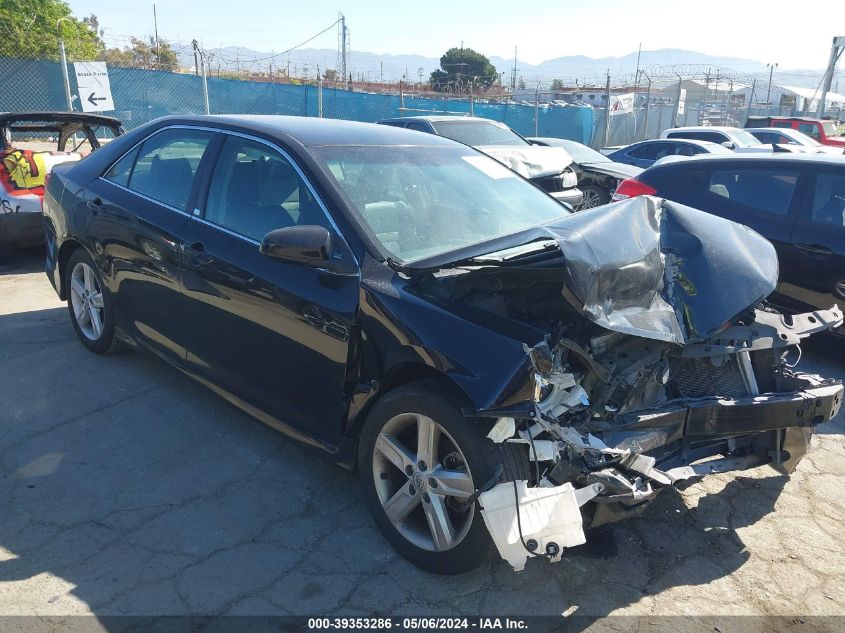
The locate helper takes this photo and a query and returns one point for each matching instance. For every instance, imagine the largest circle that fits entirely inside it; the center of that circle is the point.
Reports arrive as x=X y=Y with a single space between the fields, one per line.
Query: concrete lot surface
x=126 y=488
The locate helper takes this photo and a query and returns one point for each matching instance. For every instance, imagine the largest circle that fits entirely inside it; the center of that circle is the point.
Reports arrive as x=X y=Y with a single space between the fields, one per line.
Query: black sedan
x=426 y=316
x=796 y=201
x=598 y=176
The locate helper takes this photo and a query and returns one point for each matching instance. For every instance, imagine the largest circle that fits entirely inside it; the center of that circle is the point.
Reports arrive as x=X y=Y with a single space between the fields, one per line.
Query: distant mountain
x=374 y=66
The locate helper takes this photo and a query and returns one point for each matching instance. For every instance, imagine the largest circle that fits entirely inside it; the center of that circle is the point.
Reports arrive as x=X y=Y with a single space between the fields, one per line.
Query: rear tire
x=90 y=305
x=415 y=446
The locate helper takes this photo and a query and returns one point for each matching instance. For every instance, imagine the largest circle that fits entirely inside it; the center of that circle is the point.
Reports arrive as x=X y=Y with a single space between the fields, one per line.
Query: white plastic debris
x=590 y=443
x=548 y=516
x=502 y=430
x=546 y=449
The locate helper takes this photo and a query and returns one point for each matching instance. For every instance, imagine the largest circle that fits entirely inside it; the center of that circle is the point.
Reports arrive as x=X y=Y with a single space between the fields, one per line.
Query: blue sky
x=542 y=30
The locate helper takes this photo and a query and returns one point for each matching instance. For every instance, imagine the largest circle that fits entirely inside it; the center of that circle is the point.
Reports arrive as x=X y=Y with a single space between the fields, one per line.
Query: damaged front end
x=661 y=363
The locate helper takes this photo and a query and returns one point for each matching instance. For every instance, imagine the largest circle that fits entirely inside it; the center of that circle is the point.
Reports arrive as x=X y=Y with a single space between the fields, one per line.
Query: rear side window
x=787 y=124
x=767 y=191
x=166 y=165
x=829 y=199
x=120 y=171
x=419 y=127
x=652 y=151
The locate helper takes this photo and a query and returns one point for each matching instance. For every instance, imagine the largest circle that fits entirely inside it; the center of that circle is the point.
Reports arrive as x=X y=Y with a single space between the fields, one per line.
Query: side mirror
x=728 y=144
x=307 y=244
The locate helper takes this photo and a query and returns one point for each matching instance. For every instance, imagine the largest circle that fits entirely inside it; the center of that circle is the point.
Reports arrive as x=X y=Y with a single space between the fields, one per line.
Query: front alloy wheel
x=422 y=481
x=421 y=461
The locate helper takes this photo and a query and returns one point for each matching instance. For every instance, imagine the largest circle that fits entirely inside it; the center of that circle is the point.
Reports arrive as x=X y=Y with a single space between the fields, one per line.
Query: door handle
x=815 y=249
x=196 y=255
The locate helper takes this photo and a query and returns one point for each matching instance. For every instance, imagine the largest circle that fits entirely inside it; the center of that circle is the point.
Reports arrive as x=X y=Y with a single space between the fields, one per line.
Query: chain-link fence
x=141 y=95
x=142 y=92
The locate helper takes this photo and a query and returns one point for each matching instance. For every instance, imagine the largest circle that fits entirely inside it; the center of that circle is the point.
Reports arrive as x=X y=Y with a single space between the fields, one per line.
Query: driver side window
x=255 y=190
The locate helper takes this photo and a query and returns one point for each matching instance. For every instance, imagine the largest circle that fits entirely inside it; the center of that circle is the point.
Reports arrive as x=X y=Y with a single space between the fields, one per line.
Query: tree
x=143 y=54
x=521 y=84
x=30 y=29
x=557 y=85
x=331 y=75
x=459 y=67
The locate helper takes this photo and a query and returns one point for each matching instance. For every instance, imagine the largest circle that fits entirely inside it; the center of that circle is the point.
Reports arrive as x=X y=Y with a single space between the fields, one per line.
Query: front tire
x=420 y=460
x=90 y=305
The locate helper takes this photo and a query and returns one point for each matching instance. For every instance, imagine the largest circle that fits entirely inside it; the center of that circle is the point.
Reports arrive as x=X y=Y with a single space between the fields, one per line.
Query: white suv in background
x=737 y=139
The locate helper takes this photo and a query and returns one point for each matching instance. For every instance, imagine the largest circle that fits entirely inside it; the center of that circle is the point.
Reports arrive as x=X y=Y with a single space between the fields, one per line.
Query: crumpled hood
x=617 y=170
x=657 y=269
x=530 y=161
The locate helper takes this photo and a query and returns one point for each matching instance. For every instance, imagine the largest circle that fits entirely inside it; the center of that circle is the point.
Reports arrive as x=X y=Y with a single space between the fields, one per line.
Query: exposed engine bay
x=659 y=362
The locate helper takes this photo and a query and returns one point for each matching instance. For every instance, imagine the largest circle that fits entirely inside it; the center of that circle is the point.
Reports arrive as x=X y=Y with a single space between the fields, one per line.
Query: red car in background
x=824 y=131
x=31 y=144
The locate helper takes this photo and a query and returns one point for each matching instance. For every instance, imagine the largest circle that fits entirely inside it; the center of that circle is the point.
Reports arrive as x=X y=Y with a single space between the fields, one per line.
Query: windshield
x=581 y=153
x=745 y=139
x=829 y=128
x=421 y=202
x=475 y=133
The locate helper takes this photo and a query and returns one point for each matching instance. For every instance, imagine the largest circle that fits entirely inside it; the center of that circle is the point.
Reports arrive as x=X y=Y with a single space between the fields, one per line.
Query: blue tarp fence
x=142 y=95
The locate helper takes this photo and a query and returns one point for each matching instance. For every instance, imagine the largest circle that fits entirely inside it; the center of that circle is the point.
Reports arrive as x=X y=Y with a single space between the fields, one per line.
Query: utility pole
x=381 y=72
x=607 y=112
x=835 y=53
x=771 y=68
x=65 y=76
x=343 y=46
x=513 y=73
x=155 y=28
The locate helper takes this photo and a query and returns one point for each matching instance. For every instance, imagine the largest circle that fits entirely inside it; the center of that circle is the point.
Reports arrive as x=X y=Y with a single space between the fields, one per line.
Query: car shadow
x=26 y=260
x=130 y=490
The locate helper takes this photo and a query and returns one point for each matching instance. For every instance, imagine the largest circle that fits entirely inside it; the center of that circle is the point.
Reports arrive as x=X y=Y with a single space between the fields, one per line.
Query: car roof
x=705 y=128
x=825 y=160
x=783 y=118
x=443 y=117
x=314 y=131
x=691 y=141
x=786 y=131
x=8 y=118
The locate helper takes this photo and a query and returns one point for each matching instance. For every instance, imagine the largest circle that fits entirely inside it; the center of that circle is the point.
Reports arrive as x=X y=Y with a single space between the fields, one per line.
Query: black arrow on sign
x=94 y=100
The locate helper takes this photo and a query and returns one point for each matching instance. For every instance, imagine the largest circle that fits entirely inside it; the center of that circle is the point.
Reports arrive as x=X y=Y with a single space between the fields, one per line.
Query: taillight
x=632 y=188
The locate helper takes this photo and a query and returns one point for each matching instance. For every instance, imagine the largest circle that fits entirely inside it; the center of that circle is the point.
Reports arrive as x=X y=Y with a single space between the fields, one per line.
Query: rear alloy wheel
x=593 y=197
x=90 y=306
x=421 y=461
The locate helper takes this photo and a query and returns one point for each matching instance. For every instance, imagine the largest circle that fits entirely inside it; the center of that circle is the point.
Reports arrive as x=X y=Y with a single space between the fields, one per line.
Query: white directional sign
x=92 y=79
x=682 y=100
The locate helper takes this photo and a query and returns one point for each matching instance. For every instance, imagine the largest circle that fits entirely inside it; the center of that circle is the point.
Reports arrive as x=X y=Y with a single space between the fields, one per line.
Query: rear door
x=274 y=334
x=819 y=242
x=138 y=209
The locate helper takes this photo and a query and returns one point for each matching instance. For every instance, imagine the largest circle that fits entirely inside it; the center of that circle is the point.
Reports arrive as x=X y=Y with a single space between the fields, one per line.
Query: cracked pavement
x=127 y=488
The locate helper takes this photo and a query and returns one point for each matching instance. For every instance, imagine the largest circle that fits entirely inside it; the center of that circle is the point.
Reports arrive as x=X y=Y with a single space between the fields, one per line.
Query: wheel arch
x=404 y=374
x=66 y=251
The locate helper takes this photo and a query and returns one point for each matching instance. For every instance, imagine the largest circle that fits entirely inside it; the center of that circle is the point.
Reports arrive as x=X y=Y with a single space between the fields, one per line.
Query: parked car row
x=501 y=372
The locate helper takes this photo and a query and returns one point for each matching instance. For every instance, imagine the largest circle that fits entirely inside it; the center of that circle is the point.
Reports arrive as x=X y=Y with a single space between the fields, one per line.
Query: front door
x=274 y=334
